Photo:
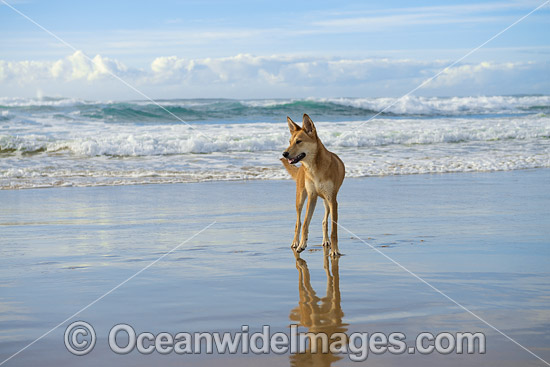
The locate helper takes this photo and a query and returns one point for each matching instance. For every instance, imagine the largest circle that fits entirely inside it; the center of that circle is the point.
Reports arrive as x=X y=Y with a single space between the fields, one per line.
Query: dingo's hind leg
x=334 y=252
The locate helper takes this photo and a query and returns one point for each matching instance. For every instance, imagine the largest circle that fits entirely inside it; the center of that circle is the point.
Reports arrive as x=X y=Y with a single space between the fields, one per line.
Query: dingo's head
x=303 y=141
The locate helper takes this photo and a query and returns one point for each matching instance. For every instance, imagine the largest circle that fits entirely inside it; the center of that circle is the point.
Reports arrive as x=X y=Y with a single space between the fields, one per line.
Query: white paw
x=302 y=246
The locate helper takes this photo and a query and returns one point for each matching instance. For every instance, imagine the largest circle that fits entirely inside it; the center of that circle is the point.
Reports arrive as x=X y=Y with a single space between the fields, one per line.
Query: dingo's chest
x=322 y=188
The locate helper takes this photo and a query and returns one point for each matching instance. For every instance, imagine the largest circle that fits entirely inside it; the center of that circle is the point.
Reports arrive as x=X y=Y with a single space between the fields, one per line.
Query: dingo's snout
x=294 y=160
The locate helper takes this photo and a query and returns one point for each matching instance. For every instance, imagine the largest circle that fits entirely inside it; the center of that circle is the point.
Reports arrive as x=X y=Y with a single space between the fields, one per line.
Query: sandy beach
x=480 y=238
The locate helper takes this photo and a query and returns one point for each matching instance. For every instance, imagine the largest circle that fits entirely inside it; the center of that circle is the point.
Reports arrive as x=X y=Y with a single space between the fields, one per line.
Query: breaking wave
x=73 y=142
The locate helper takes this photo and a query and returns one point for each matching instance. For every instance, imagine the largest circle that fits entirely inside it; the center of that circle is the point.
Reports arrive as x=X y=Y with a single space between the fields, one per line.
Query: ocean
x=49 y=142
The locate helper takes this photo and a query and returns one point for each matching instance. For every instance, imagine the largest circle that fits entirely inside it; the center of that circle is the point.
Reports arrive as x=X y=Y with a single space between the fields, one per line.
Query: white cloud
x=248 y=76
x=289 y=71
x=74 y=67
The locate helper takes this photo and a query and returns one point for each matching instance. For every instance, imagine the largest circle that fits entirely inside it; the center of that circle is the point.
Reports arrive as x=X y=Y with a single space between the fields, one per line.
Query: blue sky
x=267 y=49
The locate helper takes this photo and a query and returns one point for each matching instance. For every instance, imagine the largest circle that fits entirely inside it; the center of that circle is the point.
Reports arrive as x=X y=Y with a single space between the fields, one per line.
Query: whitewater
x=50 y=142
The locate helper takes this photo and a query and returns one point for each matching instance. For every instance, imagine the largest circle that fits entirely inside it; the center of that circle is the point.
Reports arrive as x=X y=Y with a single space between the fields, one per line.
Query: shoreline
x=3 y=188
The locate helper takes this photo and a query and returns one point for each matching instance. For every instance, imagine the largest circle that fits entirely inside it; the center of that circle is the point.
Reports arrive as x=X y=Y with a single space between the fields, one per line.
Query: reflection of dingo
x=325 y=317
x=321 y=174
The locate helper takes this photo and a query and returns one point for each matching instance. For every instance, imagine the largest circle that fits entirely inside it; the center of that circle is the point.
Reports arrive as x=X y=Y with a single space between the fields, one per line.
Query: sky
x=122 y=50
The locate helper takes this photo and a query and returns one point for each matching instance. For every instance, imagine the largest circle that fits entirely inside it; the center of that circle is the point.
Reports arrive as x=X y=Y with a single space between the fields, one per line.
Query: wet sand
x=483 y=239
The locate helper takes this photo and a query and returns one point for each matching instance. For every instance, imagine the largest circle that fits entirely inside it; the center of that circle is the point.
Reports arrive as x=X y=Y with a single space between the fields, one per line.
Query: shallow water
x=482 y=239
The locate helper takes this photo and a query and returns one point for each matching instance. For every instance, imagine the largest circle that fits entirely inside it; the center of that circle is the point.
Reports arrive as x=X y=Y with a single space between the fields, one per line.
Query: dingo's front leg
x=326 y=241
x=311 y=201
x=300 y=199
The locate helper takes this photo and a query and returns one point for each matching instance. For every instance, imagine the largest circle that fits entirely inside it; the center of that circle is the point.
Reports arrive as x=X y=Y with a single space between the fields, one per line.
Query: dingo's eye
x=298 y=141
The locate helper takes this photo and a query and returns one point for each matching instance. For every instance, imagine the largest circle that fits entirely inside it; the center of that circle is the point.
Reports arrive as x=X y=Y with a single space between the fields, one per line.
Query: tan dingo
x=321 y=174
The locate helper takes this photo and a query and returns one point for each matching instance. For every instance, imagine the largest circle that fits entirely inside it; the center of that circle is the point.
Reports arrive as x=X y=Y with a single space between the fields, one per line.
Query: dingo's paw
x=302 y=247
x=326 y=243
x=335 y=253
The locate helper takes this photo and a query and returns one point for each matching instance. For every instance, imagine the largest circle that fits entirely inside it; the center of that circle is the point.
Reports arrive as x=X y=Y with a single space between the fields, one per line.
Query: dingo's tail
x=291 y=169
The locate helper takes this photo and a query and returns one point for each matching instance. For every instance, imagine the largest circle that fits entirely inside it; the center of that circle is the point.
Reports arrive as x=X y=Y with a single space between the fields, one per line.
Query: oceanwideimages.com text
x=80 y=339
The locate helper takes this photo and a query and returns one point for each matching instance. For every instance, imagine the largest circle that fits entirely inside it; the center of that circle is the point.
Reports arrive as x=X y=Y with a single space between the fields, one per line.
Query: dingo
x=321 y=174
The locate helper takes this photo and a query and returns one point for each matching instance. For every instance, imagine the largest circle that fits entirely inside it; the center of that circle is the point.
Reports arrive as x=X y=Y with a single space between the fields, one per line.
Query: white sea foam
x=59 y=146
x=380 y=161
x=56 y=102
x=455 y=105
x=96 y=139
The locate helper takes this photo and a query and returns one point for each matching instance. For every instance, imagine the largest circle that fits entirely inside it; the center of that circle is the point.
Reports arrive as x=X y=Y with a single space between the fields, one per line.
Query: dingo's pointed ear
x=292 y=126
x=307 y=125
